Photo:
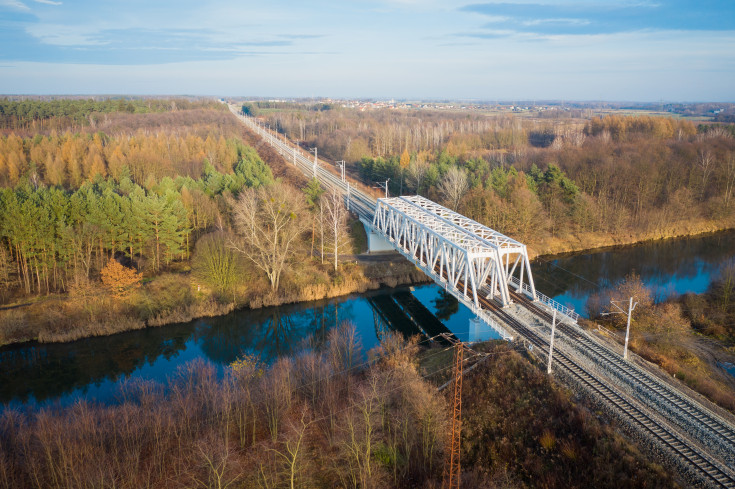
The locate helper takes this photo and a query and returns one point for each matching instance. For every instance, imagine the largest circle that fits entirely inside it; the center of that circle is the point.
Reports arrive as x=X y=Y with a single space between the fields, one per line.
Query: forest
x=37 y=114
x=178 y=200
x=68 y=211
x=556 y=184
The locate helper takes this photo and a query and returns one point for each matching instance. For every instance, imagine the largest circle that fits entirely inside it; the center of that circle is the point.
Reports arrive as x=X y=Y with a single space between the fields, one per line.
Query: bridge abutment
x=376 y=242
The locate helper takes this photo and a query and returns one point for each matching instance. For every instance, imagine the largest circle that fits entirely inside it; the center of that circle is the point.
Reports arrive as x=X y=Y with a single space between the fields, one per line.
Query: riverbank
x=177 y=297
x=590 y=242
x=689 y=337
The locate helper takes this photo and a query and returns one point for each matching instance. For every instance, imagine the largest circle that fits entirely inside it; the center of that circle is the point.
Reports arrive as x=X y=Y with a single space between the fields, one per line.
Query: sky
x=615 y=50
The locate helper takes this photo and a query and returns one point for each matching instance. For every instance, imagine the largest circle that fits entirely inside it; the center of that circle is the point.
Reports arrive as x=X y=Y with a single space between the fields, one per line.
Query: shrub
x=120 y=280
x=215 y=263
x=165 y=294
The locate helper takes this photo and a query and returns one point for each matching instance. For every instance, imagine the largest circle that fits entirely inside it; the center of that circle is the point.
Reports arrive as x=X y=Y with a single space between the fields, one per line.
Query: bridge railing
x=568 y=312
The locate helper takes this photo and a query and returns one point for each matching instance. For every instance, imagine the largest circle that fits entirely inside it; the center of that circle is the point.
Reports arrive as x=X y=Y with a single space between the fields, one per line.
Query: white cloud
x=47 y=2
x=496 y=19
x=563 y=21
x=62 y=35
x=16 y=4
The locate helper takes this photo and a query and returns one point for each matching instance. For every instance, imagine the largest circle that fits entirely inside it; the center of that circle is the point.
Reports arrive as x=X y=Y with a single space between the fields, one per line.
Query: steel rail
x=360 y=203
x=706 y=468
x=691 y=416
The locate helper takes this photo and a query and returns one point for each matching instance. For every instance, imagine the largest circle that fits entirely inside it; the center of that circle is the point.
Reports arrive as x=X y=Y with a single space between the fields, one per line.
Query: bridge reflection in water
x=401 y=312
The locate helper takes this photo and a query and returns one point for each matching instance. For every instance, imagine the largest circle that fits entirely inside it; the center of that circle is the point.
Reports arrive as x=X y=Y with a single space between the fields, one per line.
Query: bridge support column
x=481 y=330
x=477 y=330
x=376 y=242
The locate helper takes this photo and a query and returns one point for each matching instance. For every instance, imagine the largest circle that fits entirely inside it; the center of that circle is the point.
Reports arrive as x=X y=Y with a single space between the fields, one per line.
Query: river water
x=39 y=374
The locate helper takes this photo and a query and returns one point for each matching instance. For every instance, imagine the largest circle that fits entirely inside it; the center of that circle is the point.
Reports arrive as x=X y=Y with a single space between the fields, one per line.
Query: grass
x=576 y=242
x=689 y=367
x=359 y=237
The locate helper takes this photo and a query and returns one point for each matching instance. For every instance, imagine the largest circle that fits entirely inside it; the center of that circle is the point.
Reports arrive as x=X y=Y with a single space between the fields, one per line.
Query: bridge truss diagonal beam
x=509 y=250
x=454 y=250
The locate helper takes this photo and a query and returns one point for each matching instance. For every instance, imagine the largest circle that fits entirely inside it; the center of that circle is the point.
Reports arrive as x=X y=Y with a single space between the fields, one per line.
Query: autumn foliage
x=118 y=279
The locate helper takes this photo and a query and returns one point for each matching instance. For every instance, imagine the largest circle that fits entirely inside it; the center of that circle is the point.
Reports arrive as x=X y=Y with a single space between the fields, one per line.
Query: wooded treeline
x=55 y=114
x=70 y=159
x=52 y=237
x=600 y=187
x=73 y=201
x=351 y=134
x=156 y=189
x=538 y=180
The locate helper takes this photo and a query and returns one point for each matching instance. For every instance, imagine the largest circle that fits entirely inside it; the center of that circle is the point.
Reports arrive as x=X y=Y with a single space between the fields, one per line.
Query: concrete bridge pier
x=481 y=330
x=376 y=241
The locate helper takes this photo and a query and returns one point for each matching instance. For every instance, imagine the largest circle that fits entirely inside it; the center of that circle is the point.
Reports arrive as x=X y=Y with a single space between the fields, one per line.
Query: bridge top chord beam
x=490 y=235
x=460 y=232
x=458 y=237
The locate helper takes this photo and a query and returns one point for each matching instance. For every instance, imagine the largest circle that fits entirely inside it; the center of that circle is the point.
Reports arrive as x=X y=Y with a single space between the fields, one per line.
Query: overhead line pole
x=315 y=150
x=384 y=185
x=631 y=308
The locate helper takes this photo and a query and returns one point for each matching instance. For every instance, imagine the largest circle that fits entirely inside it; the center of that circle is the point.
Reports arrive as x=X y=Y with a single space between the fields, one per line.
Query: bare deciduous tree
x=453 y=186
x=416 y=173
x=706 y=163
x=335 y=216
x=270 y=220
x=292 y=456
x=729 y=178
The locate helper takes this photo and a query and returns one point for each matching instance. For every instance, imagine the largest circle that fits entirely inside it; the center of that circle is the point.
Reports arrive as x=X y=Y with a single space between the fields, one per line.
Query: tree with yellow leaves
x=405 y=161
x=120 y=280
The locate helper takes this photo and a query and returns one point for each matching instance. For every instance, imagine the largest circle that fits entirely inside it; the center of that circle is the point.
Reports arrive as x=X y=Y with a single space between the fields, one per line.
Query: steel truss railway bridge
x=490 y=273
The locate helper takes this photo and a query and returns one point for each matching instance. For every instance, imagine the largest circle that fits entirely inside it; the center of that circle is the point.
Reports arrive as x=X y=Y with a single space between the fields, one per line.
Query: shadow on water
x=44 y=371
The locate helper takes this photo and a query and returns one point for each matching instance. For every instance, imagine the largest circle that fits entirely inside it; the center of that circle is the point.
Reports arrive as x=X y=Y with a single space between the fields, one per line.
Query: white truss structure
x=455 y=250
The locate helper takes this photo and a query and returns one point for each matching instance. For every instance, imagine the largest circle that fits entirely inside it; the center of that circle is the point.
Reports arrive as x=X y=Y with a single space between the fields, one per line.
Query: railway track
x=685 y=413
x=700 y=466
x=359 y=203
